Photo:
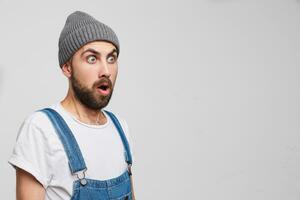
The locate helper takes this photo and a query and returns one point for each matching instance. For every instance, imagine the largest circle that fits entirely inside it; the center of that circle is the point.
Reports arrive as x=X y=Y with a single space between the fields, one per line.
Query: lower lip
x=103 y=92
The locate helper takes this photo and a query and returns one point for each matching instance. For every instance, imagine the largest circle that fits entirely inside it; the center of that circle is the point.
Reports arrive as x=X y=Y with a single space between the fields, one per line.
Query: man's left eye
x=111 y=59
x=92 y=59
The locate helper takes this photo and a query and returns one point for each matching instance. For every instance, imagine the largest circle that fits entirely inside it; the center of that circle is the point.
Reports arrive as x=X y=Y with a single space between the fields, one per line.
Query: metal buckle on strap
x=129 y=169
x=81 y=177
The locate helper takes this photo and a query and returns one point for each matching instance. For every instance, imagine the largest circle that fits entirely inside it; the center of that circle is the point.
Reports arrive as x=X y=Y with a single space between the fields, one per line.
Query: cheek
x=87 y=77
x=114 y=74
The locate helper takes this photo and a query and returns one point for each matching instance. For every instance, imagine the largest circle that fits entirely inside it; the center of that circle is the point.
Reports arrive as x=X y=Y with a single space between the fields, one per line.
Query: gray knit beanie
x=81 y=28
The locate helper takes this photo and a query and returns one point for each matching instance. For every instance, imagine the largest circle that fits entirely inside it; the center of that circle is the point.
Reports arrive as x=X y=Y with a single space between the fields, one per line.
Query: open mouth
x=104 y=88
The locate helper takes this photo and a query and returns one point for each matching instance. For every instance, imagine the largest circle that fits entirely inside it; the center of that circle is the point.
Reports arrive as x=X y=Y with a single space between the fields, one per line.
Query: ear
x=67 y=69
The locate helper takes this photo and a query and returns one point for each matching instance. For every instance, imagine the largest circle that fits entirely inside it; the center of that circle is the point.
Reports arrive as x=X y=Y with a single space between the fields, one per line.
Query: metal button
x=83 y=181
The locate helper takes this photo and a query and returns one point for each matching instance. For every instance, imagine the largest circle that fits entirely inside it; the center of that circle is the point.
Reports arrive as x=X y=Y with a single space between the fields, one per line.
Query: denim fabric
x=76 y=161
x=112 y=189
x=122 y=135
x=118 y=188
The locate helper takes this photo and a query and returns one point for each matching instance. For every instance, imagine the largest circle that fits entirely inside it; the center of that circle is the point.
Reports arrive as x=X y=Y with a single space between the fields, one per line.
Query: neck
x=81 y=112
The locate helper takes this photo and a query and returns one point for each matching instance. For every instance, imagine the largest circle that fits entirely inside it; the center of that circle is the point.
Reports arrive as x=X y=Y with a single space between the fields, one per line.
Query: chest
x=103 y=153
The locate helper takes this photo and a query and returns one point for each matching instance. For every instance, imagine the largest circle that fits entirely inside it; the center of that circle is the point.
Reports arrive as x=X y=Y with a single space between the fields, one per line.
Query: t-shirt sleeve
x=32 y=152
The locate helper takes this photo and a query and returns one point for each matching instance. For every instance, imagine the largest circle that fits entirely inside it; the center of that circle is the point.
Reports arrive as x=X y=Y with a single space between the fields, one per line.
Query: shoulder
x=122 y=121
x=126 y=130
x=35 y=124
x=37 y=119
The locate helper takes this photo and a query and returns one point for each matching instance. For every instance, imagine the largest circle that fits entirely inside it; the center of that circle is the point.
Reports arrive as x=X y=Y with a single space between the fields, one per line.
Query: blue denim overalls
x=118 y=188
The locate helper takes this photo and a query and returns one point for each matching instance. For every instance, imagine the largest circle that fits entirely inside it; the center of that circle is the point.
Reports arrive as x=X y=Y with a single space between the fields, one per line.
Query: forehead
x=100 y=46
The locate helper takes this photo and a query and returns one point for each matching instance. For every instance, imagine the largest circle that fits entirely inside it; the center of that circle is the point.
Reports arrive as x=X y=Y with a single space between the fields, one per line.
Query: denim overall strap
x=122 y=135
x=76 y=161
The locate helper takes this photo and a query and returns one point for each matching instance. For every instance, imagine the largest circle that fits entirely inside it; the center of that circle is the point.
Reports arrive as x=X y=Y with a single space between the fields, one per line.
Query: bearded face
x=96 y=97
x=92 y=72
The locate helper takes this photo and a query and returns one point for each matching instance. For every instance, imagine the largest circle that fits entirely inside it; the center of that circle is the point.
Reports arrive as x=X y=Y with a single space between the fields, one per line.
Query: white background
x=210 y=90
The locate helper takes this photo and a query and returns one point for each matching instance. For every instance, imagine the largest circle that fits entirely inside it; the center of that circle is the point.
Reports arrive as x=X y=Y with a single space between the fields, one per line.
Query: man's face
x=94 y=71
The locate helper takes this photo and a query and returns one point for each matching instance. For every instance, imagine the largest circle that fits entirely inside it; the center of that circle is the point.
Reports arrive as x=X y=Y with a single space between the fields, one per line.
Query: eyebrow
x=98 y=53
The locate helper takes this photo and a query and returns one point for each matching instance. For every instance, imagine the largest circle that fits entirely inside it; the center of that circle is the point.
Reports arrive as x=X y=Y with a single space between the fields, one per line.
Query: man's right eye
x=91 y=59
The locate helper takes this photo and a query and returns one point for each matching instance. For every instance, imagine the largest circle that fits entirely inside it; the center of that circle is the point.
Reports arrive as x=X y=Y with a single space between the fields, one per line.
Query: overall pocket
x=121 y=191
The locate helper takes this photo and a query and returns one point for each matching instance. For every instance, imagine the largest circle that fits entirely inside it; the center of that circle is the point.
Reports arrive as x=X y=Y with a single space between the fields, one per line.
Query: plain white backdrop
x=210 y=90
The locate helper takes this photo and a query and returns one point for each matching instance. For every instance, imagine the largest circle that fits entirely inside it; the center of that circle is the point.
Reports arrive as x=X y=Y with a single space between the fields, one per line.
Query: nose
x=104 y=70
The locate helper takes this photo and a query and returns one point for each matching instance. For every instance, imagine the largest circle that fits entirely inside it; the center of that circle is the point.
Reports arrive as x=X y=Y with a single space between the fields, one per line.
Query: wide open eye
x=91 y=59
x=111 y=59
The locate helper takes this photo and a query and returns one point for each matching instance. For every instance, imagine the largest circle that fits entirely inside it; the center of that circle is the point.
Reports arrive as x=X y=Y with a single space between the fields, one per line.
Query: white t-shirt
x=39 y=151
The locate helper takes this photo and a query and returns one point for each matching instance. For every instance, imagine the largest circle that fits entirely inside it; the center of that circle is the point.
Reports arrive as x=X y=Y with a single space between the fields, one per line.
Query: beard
x=88 y=97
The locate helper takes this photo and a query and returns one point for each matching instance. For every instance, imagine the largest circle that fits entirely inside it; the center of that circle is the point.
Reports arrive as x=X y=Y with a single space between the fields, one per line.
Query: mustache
x=103 y=81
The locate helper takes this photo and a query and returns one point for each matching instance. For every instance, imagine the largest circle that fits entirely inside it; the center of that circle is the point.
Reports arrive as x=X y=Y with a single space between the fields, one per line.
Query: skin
x=26 y=182
x=88 y=68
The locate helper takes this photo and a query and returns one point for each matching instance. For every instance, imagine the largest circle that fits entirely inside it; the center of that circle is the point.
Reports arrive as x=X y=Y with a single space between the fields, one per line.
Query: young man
x=75 y=149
